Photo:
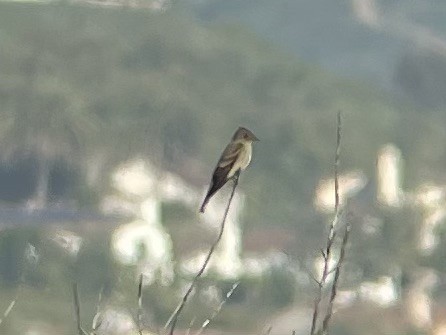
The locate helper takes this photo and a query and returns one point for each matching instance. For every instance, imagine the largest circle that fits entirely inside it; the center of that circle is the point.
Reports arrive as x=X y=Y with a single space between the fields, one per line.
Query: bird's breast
x=243 y=159
x=246 y=156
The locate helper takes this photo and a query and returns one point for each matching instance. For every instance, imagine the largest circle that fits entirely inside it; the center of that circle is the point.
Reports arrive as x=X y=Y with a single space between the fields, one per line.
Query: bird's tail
x=208 y=197
x=203 y=205
x=213 y=188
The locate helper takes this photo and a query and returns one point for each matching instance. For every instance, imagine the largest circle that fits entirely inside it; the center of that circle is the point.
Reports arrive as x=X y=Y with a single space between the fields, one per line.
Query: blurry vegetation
x=13 y=244
x=92 y=87
x=421 y=75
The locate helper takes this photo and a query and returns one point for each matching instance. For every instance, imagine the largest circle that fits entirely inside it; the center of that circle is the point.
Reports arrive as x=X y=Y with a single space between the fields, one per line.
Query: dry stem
x=174 y=317
x=328 y=251
x=217 y=311
x=337 y=272
x=77 y=310
x=8 y=310
x=139 y=312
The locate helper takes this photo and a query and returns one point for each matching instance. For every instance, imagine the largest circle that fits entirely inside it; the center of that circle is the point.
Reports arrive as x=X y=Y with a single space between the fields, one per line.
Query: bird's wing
x=230 y=154
x=224 y=165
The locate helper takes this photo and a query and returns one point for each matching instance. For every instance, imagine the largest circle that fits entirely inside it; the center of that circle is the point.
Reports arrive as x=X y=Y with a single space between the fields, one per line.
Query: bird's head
x=244 y=134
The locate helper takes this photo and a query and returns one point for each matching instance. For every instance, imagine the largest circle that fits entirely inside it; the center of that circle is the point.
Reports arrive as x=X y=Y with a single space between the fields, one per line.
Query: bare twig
x=97 y=321
x=336 y=164
x=191 y=324
x=77 y=310
x=139 y=313
x=327 y=252
x=174 y=317
x=220 y=306
x=337 y=272
x=8 y=310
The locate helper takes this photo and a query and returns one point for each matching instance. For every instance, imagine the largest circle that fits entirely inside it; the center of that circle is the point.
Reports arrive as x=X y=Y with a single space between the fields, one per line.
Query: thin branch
x=8 y=310
x=191 y=324
x=334 y=287
x=327 y=252
x=336 y=164
x=139 y=313
x=96 y=323
x=77 y=309
x=174 y=317
x=324 y=256
x=318 y=283
x=217 y=311
x=333 y=270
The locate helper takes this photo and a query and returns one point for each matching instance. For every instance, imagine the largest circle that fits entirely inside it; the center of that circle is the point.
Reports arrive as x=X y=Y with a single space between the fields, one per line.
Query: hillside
x=175 y=89
x=368 y=40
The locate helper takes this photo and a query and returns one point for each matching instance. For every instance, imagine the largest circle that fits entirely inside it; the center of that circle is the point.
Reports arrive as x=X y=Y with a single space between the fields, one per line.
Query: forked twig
x=337 y=272
x=327 y=252
x=174 y=317
x=77 y=310
x=218 y=309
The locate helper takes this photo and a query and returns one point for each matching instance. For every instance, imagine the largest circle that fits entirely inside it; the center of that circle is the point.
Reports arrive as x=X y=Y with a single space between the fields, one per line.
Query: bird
x=235 y=158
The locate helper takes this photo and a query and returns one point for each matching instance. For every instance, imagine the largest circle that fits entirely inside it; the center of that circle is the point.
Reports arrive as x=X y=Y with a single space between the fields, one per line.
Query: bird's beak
x=255 y=139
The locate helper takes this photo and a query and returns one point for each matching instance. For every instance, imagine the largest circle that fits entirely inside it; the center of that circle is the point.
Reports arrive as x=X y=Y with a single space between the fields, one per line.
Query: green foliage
x=103 y=85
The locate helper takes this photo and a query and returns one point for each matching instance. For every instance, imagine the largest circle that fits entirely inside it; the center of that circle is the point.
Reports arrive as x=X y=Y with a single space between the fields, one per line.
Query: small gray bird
x=235 y=158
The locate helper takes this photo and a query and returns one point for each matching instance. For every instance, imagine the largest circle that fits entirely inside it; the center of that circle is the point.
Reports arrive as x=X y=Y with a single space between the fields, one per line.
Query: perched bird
x=235 y=157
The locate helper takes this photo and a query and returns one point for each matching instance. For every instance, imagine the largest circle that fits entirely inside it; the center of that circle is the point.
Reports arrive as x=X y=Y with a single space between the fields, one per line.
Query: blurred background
x=114 y=112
